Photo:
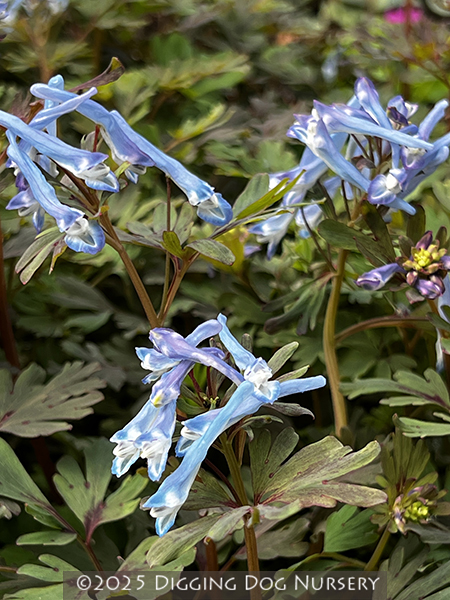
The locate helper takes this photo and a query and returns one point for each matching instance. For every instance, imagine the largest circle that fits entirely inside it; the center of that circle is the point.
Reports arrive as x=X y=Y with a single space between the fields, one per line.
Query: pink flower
x=400 y=15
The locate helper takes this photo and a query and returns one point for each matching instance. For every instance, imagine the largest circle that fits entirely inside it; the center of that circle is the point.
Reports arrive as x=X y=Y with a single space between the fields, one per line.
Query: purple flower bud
x=431 y=288
x=377 y=278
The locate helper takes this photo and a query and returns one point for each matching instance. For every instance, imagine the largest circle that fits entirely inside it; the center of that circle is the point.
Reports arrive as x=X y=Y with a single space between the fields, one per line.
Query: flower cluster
x=416 y=506
x=375 y=154
x=425 y=269
x=149 y=434
x=36 y=154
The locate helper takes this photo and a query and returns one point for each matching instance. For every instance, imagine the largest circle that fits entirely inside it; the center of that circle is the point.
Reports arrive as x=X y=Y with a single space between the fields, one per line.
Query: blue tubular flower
x=312 y=214
x=174 y=490
x=377 y=278
x=368 y=98
x=370 y=101
x=255 y=370
x=384 y=189
x=341 y=118
x=200 y=433
x=148 y=435
x=314 y=134
x=171 y=371
x=81 y=235
x=129 y=146
x=73 y=159
x=271 y=231
x=431 y=120
x=26 y=204
x=404 y=110
x=196 y=427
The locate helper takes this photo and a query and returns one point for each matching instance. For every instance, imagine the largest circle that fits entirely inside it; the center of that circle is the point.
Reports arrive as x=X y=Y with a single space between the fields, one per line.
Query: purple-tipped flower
x=200 y=433
x=425 y=269
x=82 y=235
x=149 y=434
x=384 y=189
x=127 y=146
x=377 y=278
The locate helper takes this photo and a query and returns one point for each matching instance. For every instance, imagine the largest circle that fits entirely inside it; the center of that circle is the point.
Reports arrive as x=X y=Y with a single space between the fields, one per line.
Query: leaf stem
x=376 y=322
x=167 y=267
x=329 y=346
x=249 y=530
x=373 y=562
x=115 y=242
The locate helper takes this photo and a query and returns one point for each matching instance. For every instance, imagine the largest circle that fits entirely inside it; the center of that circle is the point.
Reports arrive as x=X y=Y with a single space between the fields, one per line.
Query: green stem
x=373 y=562
x=167 y=268
x=249 y=530
x=376 y=322
x=114 y=241
x=329 y=346
x=173 y=289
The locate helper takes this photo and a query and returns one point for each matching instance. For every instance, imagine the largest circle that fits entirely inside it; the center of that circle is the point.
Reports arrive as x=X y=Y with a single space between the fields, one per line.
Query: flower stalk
x=249 y=530
x=329 y=346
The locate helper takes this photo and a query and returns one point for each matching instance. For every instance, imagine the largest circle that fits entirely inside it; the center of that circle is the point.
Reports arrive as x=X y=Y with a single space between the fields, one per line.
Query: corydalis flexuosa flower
x=255 y=389
x=425 y=269
x=149 y=434
x=386 y=156
x=129 y=148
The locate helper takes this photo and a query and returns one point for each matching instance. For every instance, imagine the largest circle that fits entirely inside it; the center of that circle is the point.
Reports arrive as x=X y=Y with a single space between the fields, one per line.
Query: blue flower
x=342 y=118
x=149 y=434
x=374 y=280
x=385 y=189
x=26 y=204
x=82 y=235
x=86 y=165
x=128 y=146
x=199 y=434
x=313 y=132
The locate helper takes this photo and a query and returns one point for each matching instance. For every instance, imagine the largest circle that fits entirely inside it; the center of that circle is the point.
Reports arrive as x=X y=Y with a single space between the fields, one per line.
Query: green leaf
x=265 y=458
x=31 y=408
x=281 y=356
x=268 y=199
x=137 y=560
x=47 y=538
x=415 y=227
x=207 y=492
x=85 y=495
x=257 y=187
x=378 y=227
x=113 y=71
x=414 y=389
x=15 y=483
x=49 y=592
x=54 y=573
x=34 y=255
x=8 y=508
x=348 y=529
x=88 y=322
x=172 y=244
x=228 y=523
x=177 y=542
x=416 y=428
x=310 y=476
x=284 y=541
x=339 y=235
x=213 y=249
